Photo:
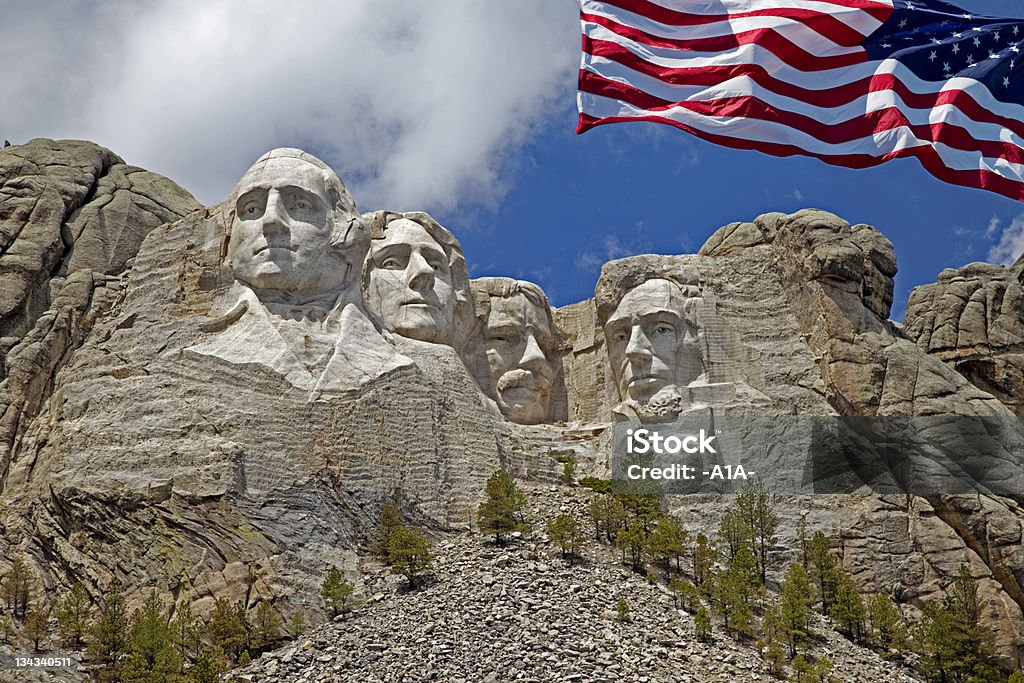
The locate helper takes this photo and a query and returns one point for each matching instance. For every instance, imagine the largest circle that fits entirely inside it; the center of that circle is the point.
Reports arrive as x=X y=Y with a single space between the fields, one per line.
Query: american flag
x=851 y=82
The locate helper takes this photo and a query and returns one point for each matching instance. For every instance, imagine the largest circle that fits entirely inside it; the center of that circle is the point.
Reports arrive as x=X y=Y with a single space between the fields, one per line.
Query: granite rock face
x=972 y=319
x=217 y=401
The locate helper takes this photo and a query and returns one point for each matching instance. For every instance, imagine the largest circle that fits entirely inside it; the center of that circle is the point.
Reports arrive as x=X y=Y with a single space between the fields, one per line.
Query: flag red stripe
x=858 y=127
x=664 y=15
x=927 y=156
x=824 y=24
x=831 y=97
x=783 y=48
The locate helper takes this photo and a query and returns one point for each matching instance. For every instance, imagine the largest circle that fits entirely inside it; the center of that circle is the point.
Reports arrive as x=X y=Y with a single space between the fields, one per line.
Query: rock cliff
x=176 y=417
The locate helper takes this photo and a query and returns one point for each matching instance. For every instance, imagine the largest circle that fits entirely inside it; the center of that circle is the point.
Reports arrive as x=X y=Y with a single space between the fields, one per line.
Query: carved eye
x=621 y=337
x=662 y=328
x=301 y=205
x=391 y=263
x=250 y=210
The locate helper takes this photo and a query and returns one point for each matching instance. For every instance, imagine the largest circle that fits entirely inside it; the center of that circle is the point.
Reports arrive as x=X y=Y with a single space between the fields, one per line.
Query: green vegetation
x=953 y=643
x=504 y=510
x=72 y=612
x=16 y=588
x=409 y=555
x=887 y=627
x=702 y=625
x=566 y=533
x=622 y=610
x=337 y=593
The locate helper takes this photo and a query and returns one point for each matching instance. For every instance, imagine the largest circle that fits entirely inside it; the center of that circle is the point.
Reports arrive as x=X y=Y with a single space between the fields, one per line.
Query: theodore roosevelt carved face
x=294 y=227
x=517 y=334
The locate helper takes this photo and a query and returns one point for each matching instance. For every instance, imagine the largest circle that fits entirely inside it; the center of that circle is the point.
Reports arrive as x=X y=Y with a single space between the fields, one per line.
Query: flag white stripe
x=862 y=22
x=742 y=86
x=742 y=128
x=738 y=6
x=781 y=71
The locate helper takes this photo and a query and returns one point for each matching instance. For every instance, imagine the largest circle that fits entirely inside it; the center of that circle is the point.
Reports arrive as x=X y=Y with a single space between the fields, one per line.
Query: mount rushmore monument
x=217 y=401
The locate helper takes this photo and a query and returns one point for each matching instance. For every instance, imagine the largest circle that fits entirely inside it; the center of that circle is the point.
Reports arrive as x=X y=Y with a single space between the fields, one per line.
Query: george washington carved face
x=294 y=227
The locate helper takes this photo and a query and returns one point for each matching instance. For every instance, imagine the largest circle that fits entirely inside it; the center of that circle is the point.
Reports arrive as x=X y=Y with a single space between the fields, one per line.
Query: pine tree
x=207 y=668
x=1016 y=677
x=16 y=588
x=795 y=608
x=608 y=515
x=644 y=508
x=776 y=657
x=110 y=636
x=822 y=669
x=6 y=627
x=409 y=555
x=705 y=554
x=667 y=542
x=72 y=612
x=762 y=523
x=37 y=625
x=503 y=511
x=622 y=609
x=848 y=610
x=390 y=520
x=733 y=532
x=632 y=541
x=735 y=591
x=887 y=625
x=802 y=668
x=953 y=642
x=228 y=628
x=266 y=627
x=297 y=625
x=565 y=532
x=684 y=594
x=702 y=625
x=152 y=656
x=187 y=631
x=336 y=592
x=823 y=569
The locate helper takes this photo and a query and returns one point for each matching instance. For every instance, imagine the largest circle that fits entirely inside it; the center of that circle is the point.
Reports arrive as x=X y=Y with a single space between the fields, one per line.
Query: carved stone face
x=282 y=229
x=518 y=341
x=650 y=344
x=410 y=283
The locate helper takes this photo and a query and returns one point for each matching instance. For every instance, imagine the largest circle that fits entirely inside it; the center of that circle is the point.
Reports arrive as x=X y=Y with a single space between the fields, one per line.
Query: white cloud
x=1011 y=241
x=589 y=261
x=417 y=105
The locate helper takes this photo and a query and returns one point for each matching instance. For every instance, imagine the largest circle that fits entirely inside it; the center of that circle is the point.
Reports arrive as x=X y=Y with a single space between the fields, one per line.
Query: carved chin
x=522 y=405
x=422 y=324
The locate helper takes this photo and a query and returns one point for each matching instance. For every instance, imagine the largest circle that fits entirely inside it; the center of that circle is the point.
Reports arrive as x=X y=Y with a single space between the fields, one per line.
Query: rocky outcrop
x=972 y=319
x=196 y=402
x=72 y=215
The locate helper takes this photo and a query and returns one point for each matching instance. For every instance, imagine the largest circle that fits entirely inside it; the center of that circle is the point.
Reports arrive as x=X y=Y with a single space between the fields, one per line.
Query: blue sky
x=462 y=108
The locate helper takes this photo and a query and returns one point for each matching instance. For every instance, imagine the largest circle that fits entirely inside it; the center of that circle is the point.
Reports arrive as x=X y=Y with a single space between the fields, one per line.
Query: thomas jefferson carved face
x=518 y=341
x=650 y=344
x=282 y=235
x=410 y=283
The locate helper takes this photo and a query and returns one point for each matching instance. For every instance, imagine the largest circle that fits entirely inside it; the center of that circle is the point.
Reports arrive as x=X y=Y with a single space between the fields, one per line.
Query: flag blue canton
x=938 y=41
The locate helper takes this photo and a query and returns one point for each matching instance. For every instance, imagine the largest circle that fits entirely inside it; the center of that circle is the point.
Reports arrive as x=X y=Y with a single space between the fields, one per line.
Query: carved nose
x=533 y=355
x=274 y=216
x=421 y=274
x=638 y=348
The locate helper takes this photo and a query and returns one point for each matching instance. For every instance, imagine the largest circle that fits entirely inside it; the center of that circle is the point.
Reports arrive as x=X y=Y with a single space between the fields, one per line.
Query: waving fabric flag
x=851 y=82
